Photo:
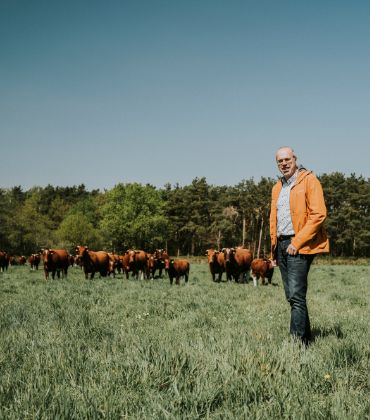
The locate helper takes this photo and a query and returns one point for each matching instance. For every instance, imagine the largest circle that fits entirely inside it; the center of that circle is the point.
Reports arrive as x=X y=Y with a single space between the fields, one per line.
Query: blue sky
x=165 y=91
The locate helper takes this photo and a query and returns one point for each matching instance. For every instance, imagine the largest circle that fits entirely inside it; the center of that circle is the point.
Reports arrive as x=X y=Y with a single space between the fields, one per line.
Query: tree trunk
x=260 y=239
x=219 y=240
x=243 y=234
x=192 y=245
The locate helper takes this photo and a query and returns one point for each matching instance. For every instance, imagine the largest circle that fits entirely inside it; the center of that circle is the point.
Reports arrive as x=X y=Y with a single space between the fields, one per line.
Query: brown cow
x=34 y=261
x=137 y=262
x=262 y=268
x=93 y=262
x=55 y=261
x=161 y=256
x=216 y=264
x=12 y=260
x=125 y=261
x=176 y=269
x=22 y=260
x=237 y=262
x=4 y=261
x=78 y=261
x=17 y=260
x=151 y=265
x=156 y=261
x=114 y=264
x=71 y=260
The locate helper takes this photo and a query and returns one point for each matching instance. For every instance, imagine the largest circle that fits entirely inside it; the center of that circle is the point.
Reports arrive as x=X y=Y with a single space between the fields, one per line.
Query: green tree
x=76 y=229
x=30 y=229
x=133 y=216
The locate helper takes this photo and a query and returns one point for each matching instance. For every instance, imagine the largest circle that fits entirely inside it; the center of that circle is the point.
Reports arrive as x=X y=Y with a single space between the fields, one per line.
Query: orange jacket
x=308 y=212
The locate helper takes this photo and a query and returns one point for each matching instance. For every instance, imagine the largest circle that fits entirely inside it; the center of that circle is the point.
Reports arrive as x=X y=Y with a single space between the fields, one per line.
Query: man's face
x=286 y=162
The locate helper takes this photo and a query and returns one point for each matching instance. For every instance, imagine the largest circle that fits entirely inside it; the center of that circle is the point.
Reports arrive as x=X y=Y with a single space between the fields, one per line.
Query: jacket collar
x=302 y=173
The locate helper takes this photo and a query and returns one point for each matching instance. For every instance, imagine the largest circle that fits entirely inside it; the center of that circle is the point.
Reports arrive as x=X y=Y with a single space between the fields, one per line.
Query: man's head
x=286 y=161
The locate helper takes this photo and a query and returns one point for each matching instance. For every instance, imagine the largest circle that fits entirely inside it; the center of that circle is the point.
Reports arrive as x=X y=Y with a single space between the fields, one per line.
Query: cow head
x=270 y=263
x=168 y=263
x=81 y=250
x=151 y=261
x=131 y=257
x=229 y=255
x=46 y=255
x=212 y=255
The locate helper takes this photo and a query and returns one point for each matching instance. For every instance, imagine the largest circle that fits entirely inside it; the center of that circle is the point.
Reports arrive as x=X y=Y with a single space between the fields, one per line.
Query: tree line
x=184 y=219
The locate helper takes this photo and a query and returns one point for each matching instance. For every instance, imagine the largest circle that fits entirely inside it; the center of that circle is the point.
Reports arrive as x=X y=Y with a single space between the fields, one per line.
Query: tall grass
x=117 y=348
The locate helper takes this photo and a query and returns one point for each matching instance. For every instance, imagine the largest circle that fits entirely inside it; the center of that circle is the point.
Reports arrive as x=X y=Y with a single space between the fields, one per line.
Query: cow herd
x=138 y=263
x=236 y=263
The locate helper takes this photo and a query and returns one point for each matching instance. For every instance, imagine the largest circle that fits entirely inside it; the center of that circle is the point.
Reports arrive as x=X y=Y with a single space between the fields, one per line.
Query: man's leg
x=294 y=271
x=298 y=268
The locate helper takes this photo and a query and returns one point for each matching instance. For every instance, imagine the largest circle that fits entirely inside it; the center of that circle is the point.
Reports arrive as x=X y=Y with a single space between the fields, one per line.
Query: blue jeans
x=294 y=271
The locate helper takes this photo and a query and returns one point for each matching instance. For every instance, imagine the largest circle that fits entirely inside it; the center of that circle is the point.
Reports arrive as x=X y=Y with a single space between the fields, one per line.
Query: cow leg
x=178 y=280
x=171 y=280
x=254 y=281
x=186 y=277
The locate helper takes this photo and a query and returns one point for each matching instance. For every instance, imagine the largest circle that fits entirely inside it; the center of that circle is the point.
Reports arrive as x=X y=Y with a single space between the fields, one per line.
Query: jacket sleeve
x=316 y=213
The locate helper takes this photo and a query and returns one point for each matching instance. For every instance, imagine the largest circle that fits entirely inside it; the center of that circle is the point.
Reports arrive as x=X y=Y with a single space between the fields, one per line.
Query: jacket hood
x=302 y=173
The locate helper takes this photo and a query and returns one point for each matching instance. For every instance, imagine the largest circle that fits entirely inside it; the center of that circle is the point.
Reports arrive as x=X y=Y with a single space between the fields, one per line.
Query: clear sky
x=156 y=91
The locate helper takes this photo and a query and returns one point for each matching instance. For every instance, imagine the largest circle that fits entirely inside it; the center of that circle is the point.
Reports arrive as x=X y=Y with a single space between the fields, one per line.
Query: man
x=297 y=234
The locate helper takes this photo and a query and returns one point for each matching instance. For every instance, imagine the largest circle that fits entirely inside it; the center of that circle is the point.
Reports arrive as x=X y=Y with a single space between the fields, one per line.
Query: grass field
x=117 y=348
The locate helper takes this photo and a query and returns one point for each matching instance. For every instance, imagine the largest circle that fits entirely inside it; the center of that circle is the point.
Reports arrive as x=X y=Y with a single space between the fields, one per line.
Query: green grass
x=117 y=348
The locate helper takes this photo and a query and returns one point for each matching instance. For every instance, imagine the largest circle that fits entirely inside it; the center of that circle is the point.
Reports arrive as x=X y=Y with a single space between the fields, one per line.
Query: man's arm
x=316 y=211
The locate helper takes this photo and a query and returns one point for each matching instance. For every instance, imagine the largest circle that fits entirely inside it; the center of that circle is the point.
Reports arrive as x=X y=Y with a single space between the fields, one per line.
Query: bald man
x=297 y=234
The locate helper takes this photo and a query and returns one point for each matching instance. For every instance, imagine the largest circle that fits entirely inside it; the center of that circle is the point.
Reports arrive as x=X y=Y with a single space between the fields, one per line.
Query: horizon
x=173 y=184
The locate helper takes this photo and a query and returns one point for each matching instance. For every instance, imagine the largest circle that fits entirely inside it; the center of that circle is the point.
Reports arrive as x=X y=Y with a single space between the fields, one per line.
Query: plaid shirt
x=284 y=219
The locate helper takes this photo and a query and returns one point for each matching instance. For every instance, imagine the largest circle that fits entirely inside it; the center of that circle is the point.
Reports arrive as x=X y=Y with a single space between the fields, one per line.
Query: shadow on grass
x=334 y=330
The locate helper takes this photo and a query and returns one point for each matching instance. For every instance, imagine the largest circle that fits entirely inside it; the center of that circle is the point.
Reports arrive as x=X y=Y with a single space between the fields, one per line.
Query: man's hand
x=292 y=250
